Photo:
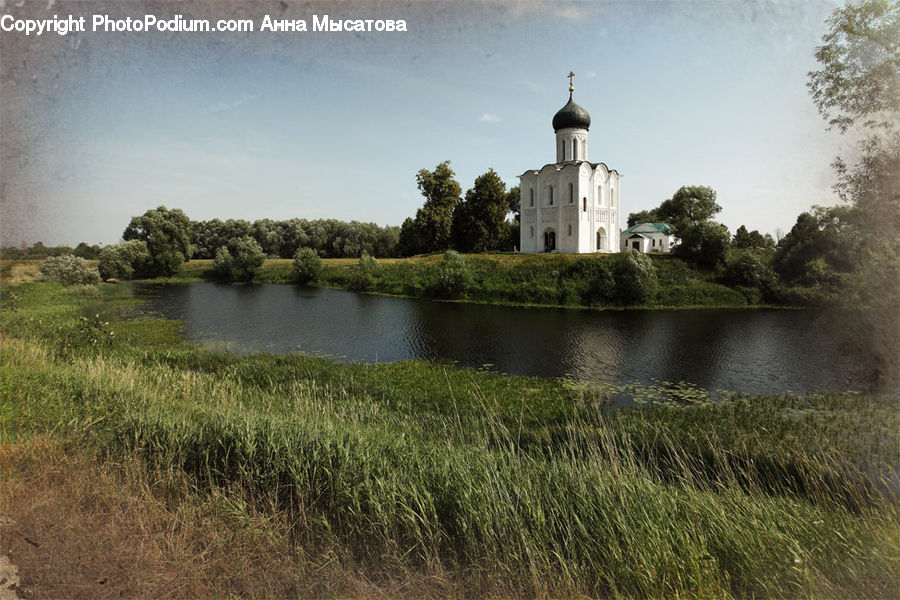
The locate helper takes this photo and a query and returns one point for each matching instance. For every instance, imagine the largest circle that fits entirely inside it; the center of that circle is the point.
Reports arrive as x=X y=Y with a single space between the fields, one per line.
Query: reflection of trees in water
x=740 y=350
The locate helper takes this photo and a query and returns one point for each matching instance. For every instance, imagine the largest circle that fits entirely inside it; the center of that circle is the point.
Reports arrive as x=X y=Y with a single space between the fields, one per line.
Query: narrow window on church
x=551 y=195
x=562 y=151
x=600 y=195
x=571 y=193
x=584 y=204
x=612 y=197
x=570 y=230
x=531 y=232
x=574 y=156
x=531 y=193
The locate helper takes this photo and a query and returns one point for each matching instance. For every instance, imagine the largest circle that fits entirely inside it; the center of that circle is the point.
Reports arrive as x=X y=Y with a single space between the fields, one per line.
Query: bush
x=593 y=279
x=454 y=276
x=635 y=277
x=366 y=272
x=748 y=271
x=704 y=244
x=68 y=270
x=239 y=260
x=307 y=265
x=124 y=261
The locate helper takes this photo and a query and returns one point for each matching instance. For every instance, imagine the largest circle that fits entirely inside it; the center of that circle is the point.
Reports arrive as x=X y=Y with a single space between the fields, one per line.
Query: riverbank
x=575 y=281
x=417 y=478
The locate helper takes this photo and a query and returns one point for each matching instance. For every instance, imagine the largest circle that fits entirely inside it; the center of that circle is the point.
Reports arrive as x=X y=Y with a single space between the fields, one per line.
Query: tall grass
x=514 y=484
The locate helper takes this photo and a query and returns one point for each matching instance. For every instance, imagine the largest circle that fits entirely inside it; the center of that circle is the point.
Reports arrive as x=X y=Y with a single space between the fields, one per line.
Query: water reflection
x=741 y=350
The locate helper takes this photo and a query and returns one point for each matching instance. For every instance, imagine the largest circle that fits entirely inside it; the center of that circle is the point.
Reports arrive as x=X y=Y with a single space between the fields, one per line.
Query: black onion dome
x=571 y=115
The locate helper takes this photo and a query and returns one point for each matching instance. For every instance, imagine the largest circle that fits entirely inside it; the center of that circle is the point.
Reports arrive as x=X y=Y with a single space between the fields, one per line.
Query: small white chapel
x=571 y=205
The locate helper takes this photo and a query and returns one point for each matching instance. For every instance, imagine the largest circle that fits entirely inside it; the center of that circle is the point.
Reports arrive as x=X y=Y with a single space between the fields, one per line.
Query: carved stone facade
x=588 y=194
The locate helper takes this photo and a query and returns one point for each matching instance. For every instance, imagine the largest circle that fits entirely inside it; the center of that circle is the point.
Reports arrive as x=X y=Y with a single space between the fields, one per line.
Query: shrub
x=748 y=271
x=593 y=279
x=124 y=261
x=223 y=264
x=454 y=276
x=68 y=270
x=239 y=260
x=307 y=265
x=635 y=277
x=704 y=244
x=364 y=277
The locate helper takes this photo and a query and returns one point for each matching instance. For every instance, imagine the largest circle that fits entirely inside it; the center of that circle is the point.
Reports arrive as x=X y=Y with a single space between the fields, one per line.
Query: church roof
x=648 y=228
x=571 y=115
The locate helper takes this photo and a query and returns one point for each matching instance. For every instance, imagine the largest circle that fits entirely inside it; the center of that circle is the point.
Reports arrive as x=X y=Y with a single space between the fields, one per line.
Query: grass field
x=419 y=479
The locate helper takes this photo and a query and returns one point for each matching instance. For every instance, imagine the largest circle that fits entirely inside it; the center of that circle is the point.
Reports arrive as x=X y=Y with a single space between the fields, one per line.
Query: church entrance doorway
x=601 y=240
x=549 y=240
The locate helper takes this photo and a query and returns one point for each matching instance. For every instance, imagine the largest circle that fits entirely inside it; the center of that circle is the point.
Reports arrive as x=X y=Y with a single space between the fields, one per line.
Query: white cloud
x=223 y=106
x=489 y=118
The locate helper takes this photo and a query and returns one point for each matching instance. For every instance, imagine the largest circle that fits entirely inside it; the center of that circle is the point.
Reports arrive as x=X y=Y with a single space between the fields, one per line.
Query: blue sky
x=336 y=125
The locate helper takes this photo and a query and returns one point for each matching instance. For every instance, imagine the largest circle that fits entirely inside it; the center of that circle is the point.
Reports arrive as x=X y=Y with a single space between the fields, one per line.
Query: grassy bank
x=550 y=280
x=417 y=478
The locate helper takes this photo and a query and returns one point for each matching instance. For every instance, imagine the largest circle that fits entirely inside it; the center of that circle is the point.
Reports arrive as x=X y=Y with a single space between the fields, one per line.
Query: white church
x=571 y=205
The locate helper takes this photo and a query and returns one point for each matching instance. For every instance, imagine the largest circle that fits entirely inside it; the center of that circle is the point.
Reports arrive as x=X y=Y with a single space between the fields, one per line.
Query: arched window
x=531 y=193
x=562 y=151
x=551 y=195
x=584 y=204
x=600 y=196
x=571 y=193
x=574 y=155
x=612 y=197
x=531 y=232
x=570 y=230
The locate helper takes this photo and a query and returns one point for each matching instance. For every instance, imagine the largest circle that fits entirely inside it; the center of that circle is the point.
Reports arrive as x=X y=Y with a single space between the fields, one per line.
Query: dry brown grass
x=13 y=272
x=77 y=528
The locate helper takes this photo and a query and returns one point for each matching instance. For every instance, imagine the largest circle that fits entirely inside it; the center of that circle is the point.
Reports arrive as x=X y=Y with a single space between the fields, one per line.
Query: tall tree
x=167 y=235
x=644 y=216
x=435 y=218
x=857 y=89
x=479 y=222
x=690 y=205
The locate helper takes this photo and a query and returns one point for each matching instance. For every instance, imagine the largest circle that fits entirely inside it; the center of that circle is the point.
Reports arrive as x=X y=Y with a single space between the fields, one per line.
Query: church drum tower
x=572 y=205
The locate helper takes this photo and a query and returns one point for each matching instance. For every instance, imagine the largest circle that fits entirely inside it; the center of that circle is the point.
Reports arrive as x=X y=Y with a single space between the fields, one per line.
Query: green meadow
x=423 y=478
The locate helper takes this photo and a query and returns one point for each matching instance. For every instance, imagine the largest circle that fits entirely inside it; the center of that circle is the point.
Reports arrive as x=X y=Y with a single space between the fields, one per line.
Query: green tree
x=239 y=260
x=86 y=252
x=479 y=221
x=167 y=234
x=689 y=206
x=747 y=270
x=644 y=216
x=307 y=265
x=860 y=57
x=434 y=220
x=124 y=261
x=514 y=200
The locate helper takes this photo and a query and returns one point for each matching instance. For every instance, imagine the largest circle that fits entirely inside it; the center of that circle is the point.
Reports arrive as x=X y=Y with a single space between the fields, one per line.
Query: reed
x=499 y=484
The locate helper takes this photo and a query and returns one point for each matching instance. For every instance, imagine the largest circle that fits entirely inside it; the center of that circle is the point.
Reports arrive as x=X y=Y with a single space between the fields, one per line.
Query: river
x=745 y=350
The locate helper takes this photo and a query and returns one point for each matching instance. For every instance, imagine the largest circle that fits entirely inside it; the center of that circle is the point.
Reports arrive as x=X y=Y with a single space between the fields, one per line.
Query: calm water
x=738 y=350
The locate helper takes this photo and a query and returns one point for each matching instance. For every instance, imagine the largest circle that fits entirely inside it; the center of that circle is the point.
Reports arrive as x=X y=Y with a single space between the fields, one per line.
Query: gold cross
x=571 y=87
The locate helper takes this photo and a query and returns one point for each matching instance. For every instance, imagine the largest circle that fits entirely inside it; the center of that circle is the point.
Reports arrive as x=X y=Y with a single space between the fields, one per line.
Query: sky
x=98 y=127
